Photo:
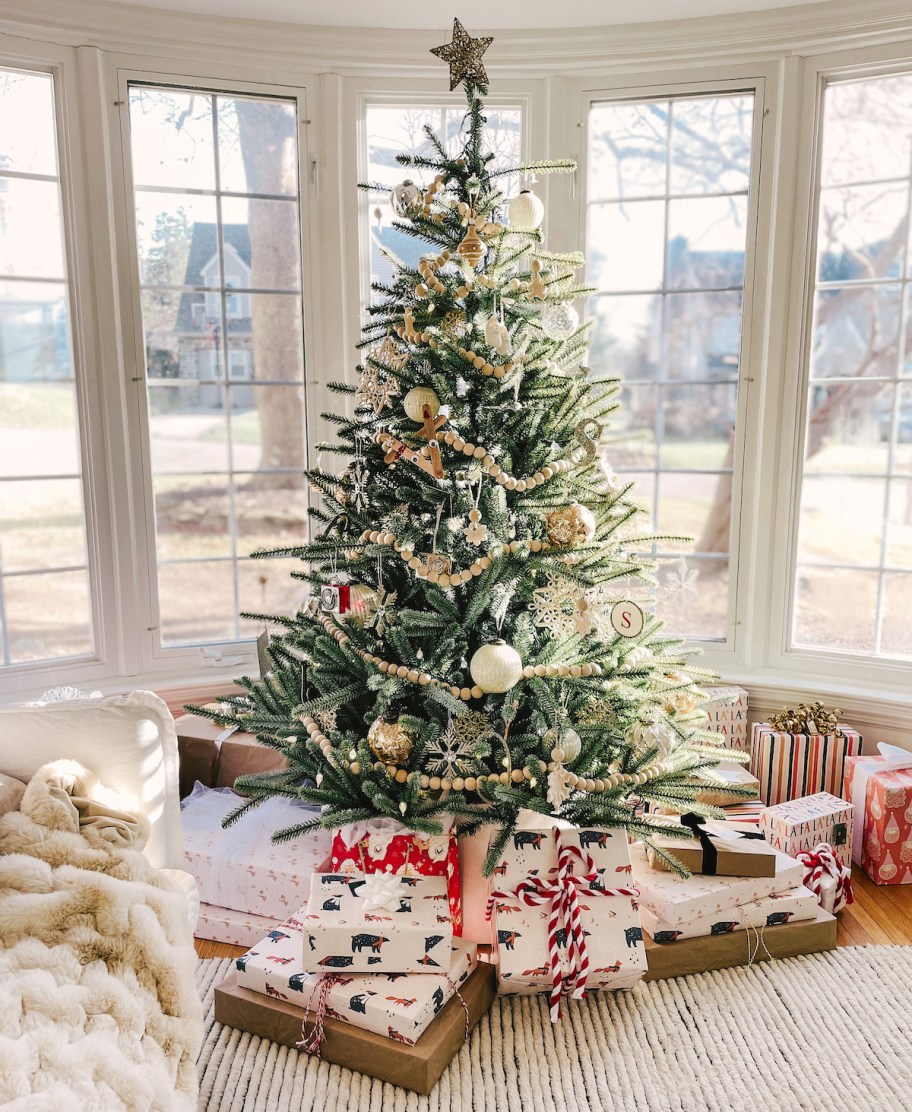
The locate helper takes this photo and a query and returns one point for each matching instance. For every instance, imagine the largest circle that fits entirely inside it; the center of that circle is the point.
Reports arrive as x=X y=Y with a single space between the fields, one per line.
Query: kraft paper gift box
x=241 y=868
x=381 y=845
x=786 y=907
x=398 y=1006
x=377 y=922
x=880 y=788
x=613 y=938
x=726 y=776
x=680 y=899
x=417 y=1067
x=719 y=849
x=802 y=824
x=727 y=714
x=790 y=766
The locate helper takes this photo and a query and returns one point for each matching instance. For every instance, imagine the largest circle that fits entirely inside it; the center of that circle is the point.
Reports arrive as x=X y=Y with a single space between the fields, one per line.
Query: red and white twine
x=561 y=892
x=821 y=862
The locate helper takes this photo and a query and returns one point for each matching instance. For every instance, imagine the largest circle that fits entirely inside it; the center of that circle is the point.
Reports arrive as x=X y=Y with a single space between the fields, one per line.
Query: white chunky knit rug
x=829 y=1033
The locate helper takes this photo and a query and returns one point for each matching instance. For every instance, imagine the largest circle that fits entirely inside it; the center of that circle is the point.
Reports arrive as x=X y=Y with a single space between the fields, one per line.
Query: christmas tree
x=471 y=645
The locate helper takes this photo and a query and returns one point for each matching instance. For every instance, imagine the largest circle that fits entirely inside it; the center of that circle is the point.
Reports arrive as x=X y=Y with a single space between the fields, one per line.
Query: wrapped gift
x=384 y=845
x=241 y=868
x=393 y=1005
x=804 y=823
x=680 y=899
x=880 y=788
x=726 y=711
x=726 y=776
x=827 y=877
x=768 y=911
x=565 y=912
x=385 y=1056
x=716 y=849
x=744 y=812
x=377 y=922
x=790 y=765
x=237 y=928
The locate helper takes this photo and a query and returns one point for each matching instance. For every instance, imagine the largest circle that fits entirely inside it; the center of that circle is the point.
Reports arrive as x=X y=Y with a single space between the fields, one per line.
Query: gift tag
x=627 y=619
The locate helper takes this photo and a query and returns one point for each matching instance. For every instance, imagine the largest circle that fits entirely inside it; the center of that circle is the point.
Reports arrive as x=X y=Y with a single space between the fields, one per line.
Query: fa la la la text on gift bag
x=558 y=888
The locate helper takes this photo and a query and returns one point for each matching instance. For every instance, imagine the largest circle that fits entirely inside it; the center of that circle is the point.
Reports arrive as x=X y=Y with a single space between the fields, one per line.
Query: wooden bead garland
x=407 y=331
x=481 y=364
x=423 y=570
x=431 y=283
x=497 y=473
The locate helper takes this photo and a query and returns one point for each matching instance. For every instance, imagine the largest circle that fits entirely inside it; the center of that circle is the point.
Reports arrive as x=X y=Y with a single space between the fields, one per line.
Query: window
x=45 y=601
x=853 y=580
x=217 y=204
x=667 y=223
x=396 y=129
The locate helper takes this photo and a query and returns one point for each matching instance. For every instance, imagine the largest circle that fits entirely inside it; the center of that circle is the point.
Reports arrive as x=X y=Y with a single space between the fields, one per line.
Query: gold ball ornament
x=389 y=741
x=526 y=210
x=416 y=399
x=569 y=525
x=496 y=667
x=567 y=741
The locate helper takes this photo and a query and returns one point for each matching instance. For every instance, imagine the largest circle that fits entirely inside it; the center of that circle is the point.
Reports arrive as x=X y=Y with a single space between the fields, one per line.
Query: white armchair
x=128 y=741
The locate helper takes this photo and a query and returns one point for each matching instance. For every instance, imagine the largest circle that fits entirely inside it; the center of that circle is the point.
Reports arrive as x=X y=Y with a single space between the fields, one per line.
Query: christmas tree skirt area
x=828 y=1031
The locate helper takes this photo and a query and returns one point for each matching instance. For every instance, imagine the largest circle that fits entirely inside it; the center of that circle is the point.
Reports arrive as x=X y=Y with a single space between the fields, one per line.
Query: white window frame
x=853 y=672
x=229 y=656
x=759 y=81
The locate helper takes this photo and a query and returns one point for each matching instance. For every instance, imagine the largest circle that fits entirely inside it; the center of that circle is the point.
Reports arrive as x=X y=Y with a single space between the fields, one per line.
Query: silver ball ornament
x=560 y=321
x=405 y=199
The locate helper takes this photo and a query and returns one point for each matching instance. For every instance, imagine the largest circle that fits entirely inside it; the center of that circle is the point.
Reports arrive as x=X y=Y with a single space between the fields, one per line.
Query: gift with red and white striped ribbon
x=827 y=877
x=565 y=911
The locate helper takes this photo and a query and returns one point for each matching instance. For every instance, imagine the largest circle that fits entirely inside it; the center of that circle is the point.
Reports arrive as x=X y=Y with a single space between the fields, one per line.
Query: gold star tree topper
x=464 y=55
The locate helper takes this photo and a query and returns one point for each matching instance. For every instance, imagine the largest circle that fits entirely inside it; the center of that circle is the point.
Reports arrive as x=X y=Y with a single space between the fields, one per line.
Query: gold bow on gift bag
x=813 y=719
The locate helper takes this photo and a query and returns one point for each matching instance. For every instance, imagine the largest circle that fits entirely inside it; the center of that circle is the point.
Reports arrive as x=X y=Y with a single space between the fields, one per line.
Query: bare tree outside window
x=218 y=233
x=853 y=589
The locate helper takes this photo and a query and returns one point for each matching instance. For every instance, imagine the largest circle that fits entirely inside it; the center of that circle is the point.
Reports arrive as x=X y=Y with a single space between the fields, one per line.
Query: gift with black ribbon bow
x=714 y=848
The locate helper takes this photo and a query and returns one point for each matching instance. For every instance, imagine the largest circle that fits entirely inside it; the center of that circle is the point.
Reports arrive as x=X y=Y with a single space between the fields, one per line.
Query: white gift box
x=395 y=1005
x=802 y=824
x=614 y=940
x=678 y=899
x=784 y=907
x=237 y=928
x=727 y=714
x=396 y=924
x=241 y=868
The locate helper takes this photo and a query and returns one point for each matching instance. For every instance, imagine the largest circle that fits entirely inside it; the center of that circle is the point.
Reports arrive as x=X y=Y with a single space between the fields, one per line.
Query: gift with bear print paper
x=377 y=922
x=767 y=911
x=399 y=1006
x=564 y=911
x=381 y=845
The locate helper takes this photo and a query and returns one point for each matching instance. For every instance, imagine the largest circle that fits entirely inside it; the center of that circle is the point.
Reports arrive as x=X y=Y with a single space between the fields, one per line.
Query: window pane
x=227 y=450
x=392 y=129
x=42 y=516
x=855 y=532
x=685 y=166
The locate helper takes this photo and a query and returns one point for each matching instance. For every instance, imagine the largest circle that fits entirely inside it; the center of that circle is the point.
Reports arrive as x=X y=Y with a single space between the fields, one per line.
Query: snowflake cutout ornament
x=326 y=719
x=449 y=756
x=376 y=389
x=681 y=581
x=360 y=481
x=381 y=891
x=555 y=606
x=472 y=727
x=383 y=608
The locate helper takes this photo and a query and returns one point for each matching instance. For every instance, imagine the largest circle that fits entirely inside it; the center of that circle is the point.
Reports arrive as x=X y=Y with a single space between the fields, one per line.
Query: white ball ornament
x=560 y=321
x=496 y=667
x=416 y=399
x=568 y=741
x=405 y=199
x=526 y=210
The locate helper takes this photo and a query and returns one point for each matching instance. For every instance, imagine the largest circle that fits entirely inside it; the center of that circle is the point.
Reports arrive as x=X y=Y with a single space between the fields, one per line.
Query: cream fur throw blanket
x=98 y=1008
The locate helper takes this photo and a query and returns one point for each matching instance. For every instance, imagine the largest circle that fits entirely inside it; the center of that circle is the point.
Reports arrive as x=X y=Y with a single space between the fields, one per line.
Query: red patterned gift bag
x=385 y=846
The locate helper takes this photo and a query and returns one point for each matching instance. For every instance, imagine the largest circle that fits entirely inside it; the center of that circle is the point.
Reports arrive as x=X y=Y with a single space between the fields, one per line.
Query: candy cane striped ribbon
x=311 y=1044
x=821 y=861
x=562 y=894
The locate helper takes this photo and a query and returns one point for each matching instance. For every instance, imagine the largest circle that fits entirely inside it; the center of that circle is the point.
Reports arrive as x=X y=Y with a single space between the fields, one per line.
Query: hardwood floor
x=881 y=914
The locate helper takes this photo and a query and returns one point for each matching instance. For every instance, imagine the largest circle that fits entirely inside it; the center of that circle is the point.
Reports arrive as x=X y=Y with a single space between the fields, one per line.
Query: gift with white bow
x=377 y=922
x=383 y=845
x=880 y=787
x=827 y=877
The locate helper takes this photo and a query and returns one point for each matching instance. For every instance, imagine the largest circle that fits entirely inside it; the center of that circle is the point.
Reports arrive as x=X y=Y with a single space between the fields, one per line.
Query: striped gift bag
x=790 y=766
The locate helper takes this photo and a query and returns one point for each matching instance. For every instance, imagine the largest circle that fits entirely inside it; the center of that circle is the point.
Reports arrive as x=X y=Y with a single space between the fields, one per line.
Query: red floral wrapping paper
x=384 y=846
x=883 y=814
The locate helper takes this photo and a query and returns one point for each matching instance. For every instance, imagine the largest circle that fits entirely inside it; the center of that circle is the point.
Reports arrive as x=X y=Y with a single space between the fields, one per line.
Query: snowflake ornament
x=555 y=607
x=376 y=389
x=381 y=891
x=326 y=719
x=382 y=609
x=471 y=727
x=359 y=477
x=681 y=581
x=450 y=757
